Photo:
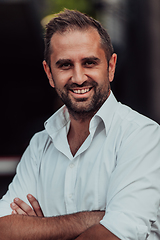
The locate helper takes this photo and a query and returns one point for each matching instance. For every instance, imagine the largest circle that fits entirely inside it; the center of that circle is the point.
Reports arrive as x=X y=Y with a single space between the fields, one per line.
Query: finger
x=13 y=212
x=35 y=205
x=16 y=209
x=23 y=207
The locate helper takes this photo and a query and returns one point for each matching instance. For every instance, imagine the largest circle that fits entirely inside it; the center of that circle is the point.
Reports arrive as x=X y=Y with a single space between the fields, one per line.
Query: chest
x=75 y=140
x=76 y=143
x=75 y=185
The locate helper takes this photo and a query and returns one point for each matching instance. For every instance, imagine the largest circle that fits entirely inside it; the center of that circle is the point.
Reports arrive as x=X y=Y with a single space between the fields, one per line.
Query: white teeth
x=81 y=91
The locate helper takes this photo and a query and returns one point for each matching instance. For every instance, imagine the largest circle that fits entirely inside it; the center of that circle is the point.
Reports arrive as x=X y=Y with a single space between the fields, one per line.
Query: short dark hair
x=73 y=19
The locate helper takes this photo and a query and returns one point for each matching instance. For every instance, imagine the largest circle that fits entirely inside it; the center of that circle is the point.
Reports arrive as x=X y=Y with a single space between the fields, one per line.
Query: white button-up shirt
x=117 y=169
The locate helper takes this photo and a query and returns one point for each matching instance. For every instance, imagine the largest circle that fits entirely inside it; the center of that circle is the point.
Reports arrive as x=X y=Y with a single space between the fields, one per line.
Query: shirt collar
x=57 y=121
x=105 y=113
x=61 y=118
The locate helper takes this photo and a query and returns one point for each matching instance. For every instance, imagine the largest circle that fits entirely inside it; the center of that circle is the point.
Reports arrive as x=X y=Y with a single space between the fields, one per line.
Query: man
x=93 y=172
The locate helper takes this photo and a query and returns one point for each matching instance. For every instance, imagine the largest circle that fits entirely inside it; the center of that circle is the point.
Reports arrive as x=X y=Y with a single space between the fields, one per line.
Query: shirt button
x=71 y=165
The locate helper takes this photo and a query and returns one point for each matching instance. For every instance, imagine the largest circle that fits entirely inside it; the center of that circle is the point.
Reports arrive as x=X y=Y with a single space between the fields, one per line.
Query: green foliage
x=85 y=6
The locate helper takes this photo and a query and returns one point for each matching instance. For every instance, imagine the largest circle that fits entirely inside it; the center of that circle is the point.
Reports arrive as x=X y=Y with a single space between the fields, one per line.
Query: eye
x=65 y=66
x=90 y=63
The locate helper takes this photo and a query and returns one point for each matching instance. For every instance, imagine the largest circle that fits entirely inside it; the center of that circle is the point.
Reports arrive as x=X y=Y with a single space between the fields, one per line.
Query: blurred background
x=27 y=99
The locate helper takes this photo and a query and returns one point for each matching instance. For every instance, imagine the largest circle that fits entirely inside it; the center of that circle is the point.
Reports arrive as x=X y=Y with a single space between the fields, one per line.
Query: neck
x=81 y=116
x=78 y=132
x=79 y=124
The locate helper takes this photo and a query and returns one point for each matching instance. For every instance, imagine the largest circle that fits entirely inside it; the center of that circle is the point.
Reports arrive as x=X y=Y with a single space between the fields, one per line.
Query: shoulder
x=134 y=132
x=127 y=118
x=39 y=143
x=40 y=139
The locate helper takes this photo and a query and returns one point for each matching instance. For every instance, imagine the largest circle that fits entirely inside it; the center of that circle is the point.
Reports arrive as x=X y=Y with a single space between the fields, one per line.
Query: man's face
x=79 y=70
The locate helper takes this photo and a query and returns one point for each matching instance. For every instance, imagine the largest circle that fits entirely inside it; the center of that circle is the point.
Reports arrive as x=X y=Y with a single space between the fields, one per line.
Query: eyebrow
x=92 y=58
x=62 y=61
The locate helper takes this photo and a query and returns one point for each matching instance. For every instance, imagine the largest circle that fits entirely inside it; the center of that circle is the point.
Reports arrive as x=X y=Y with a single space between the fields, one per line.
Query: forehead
x=75 y=42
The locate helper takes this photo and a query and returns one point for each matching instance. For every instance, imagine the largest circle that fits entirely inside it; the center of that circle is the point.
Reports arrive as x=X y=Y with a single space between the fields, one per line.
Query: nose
x=79 y=75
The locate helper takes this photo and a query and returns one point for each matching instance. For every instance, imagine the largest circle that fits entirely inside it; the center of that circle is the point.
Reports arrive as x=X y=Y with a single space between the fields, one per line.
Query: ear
x=48 y=73
x=112 y=66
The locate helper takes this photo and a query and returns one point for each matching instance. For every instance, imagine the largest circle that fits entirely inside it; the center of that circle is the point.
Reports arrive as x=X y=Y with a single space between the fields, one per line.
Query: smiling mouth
x=81 y=91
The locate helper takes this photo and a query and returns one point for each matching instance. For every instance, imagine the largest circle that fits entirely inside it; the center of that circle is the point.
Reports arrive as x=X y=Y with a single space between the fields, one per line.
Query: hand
x=20 y=207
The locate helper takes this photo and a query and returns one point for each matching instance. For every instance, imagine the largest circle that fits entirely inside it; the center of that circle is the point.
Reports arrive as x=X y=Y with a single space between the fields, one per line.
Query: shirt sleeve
x=24 y=181
x=134 y=190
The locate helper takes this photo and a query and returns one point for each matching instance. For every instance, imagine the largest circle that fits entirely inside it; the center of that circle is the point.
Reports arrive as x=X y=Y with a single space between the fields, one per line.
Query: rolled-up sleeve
x=134 y=188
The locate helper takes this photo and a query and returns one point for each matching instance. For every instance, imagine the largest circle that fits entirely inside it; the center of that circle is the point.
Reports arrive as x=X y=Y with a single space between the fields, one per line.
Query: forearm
x=17 y=227
x=20 y=227
x=97 y=232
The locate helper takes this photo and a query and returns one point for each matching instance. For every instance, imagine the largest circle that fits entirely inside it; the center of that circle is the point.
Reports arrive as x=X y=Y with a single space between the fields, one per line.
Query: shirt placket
x=70 y=181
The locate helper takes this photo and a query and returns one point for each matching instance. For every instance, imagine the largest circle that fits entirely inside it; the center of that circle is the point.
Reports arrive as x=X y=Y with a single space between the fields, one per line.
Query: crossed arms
x=29 y=223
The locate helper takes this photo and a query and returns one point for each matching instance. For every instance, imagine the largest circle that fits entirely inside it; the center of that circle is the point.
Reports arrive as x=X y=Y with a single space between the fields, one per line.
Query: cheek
x=94 y=74
x=61 y=78
x=99 y=76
